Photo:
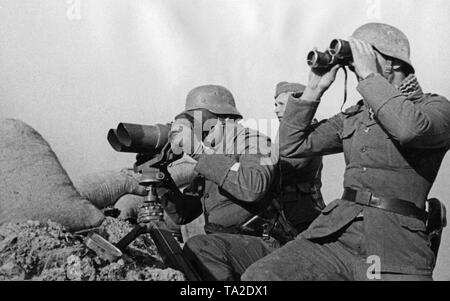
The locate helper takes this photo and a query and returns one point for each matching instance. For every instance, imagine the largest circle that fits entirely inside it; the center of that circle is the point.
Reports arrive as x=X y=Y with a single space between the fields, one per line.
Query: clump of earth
x=47 y=252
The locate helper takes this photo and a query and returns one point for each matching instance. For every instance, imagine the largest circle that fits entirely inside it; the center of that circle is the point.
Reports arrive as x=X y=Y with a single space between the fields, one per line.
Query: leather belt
x=366 y=198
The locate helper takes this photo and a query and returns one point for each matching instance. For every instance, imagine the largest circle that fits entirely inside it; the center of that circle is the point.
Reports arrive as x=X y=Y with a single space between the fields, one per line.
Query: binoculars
x=140 y=139
x=339 y=53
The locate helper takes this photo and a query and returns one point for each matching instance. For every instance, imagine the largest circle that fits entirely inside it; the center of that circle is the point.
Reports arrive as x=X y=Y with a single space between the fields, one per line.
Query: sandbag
x=129 y=206
x=34 y=185
x=104 y=189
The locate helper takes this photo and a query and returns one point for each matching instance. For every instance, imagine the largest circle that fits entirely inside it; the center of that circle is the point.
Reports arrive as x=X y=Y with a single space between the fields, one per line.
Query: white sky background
x=73 y=69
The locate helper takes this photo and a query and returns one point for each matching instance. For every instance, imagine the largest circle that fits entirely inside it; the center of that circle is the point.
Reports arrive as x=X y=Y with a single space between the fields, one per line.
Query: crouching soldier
x=394 y=141
x=296 y=202
x=231 y=183
x=234 y=171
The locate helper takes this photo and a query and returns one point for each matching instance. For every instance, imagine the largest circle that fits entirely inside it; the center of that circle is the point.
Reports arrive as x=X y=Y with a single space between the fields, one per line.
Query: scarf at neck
x=410 y=86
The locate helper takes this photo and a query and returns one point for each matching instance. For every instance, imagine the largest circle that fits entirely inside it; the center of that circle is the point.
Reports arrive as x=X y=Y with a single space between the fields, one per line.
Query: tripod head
x=151 y=210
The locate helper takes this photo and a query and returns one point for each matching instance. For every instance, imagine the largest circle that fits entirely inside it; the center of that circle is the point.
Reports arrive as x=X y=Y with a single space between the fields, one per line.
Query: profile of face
x=280 y=104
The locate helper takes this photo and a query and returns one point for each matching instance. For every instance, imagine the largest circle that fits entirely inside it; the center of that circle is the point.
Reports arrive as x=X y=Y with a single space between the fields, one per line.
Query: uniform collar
x=352 y=111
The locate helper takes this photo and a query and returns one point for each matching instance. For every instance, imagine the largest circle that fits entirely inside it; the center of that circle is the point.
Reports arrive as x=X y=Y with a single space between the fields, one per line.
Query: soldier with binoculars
x=394 y=141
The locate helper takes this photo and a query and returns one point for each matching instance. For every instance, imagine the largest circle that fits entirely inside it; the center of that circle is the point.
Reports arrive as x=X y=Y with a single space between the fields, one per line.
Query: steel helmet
x=216 y=99
x=387 y=39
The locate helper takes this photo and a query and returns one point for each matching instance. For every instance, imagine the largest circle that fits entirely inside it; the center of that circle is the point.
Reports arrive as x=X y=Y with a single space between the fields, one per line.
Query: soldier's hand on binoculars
x=364 y=58
x=319 y=82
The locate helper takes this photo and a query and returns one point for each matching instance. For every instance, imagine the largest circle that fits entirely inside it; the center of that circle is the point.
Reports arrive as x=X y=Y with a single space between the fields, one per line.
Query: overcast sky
x=73 y=69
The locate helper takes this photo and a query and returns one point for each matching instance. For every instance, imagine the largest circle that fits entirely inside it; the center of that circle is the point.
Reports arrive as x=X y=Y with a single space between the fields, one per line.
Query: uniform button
x=364 y=169
x=367 y=130
x=363 y=149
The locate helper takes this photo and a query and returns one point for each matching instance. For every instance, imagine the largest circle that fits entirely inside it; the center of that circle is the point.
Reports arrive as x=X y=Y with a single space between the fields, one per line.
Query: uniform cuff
x=299 y=113
x=215 y=167
x=377 y=91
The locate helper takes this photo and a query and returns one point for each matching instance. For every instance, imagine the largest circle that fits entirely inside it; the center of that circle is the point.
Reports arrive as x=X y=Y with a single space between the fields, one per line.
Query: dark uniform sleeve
x=423 y=124
x=298 y=164
x=299 y=139
x=182 y=208
x=247 y=176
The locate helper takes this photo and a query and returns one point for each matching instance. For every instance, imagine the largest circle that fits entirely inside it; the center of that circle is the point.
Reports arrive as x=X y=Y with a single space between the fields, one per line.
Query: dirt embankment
x=46 y=252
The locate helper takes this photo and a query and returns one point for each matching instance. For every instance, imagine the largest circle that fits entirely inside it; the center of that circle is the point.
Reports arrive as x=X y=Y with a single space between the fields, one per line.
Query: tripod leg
x=172 y=254
x=130 y=237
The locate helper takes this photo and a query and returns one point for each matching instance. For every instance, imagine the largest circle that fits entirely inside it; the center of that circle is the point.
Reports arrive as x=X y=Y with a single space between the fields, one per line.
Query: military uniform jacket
x=394 y=142
x=299 y=188
x=233 y=185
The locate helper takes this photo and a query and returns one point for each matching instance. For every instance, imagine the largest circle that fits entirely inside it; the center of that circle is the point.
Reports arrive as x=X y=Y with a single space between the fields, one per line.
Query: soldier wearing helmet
x=297 y=199
x=215 y=99
x=394 y=141
x=234 y=173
